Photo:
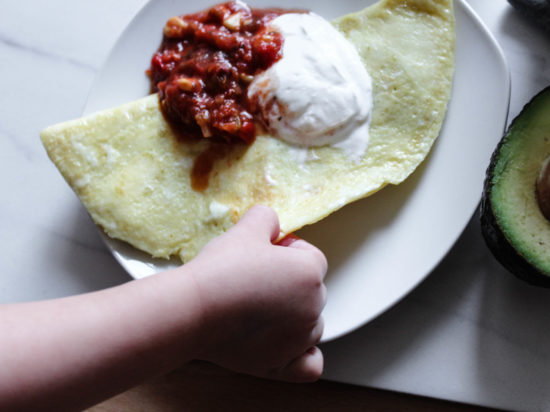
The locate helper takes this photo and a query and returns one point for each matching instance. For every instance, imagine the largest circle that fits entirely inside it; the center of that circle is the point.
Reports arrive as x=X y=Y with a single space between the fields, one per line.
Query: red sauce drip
x=204 y=65
x=204 y=164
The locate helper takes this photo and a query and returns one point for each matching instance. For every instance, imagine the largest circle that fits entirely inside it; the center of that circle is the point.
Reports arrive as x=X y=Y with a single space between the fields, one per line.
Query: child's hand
x=261 y=303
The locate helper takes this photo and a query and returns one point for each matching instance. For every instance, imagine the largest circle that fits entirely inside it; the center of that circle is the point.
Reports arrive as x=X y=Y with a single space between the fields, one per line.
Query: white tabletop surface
x=470 y=332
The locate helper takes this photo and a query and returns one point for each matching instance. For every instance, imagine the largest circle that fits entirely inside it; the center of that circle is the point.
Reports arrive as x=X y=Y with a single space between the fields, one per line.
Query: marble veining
x=49 y=54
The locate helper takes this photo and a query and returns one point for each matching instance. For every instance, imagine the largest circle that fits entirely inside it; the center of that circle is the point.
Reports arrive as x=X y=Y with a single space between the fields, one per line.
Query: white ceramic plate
x=381 y=247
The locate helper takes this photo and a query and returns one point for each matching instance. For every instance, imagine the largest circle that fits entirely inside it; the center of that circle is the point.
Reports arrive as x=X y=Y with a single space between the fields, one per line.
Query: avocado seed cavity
x=542 y=188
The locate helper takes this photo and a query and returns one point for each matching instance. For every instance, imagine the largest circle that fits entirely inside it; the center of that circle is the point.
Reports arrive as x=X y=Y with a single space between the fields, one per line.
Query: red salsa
x=204 y=66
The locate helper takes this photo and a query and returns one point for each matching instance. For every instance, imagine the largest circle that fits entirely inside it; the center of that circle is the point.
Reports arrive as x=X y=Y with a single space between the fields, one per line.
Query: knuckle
x=323 y=296
x=315 y=374
x=317 y=332
x=322 y=259
x=311 y=273
x=316 y=268
x=309 y=376
x=311 y=315
x=318 y=264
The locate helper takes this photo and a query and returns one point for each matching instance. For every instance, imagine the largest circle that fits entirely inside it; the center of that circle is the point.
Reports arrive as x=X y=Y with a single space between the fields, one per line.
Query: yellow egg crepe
x=133 y=175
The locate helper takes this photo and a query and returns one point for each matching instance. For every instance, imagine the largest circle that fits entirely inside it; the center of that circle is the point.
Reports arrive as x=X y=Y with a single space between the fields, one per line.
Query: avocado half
x=516 y=195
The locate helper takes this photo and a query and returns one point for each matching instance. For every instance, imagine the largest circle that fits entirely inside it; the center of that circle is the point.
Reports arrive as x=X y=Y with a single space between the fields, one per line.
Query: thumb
x=260 y=220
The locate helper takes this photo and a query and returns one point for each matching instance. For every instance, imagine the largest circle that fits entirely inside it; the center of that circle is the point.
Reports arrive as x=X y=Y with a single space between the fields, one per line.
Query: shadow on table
x=398 y=334
x=470 y=331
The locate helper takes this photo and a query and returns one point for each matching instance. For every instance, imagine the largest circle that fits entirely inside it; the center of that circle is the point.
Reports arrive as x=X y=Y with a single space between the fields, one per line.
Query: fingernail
x=288 y=240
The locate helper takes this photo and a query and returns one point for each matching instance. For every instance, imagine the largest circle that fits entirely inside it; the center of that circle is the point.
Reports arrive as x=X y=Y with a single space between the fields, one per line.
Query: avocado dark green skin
x=503 y=251
x=495 y=239
x=537 y=10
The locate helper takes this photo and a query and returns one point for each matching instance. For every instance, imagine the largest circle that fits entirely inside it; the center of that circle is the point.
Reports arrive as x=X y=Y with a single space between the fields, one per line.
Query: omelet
x=134 y=175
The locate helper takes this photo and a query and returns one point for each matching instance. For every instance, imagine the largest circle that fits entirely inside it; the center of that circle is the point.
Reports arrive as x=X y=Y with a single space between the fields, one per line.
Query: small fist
x=262 y=302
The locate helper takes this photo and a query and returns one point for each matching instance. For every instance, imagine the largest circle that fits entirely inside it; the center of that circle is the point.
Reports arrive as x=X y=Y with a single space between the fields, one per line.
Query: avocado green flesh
x=513 y=200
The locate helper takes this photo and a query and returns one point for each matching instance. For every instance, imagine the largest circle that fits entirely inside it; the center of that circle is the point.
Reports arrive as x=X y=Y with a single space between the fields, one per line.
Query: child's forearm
x=72 y=352
x=243 y=303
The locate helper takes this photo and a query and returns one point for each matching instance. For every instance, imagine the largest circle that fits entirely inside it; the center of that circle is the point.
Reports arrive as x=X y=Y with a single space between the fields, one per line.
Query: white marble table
x=470 y=332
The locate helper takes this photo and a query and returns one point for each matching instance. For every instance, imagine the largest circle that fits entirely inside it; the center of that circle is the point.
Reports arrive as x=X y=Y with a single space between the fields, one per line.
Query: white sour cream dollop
x=319 y=92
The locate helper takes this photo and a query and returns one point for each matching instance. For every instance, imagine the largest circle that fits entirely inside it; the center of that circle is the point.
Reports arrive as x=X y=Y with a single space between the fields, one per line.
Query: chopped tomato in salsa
x=204 y=66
